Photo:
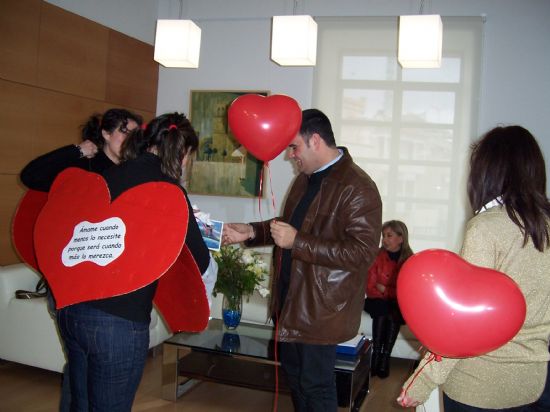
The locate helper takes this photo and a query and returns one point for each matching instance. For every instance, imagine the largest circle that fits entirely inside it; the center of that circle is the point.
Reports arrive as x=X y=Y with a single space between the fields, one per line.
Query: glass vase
x=232 y=310
x=231 y=342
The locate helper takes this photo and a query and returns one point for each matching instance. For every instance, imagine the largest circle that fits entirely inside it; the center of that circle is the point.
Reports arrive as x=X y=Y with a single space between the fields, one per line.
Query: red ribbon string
x=276 y=346
x=260 y=194
x=271 y=188
x=431 y=358
x=260 y=191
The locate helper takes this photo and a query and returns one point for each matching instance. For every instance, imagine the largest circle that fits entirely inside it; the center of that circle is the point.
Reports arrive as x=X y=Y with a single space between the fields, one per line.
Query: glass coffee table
x=245 y=357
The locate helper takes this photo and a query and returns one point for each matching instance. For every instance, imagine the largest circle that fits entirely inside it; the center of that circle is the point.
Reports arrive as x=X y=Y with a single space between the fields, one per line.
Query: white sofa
x=28 y=333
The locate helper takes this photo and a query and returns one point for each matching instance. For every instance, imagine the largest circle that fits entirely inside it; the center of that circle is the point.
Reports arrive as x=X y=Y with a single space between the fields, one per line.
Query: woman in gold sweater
x=509 y=233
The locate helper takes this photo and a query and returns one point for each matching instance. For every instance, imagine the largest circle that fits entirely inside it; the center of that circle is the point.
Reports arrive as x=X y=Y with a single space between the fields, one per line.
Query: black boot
x=391 y=331
x=377 y=339
x=384 y=365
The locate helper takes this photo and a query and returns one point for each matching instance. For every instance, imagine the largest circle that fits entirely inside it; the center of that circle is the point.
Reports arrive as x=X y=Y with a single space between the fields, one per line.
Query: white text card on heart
x=100 y=243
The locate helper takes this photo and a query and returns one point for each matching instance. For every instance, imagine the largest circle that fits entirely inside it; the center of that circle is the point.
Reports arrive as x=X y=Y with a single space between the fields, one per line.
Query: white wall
x=515 y=86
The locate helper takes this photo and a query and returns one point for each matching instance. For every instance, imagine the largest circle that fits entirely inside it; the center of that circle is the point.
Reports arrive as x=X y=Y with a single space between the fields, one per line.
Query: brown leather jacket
x=334 y=248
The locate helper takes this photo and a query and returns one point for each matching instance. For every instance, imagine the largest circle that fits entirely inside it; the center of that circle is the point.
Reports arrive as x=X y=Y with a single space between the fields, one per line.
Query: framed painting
x=222 y=166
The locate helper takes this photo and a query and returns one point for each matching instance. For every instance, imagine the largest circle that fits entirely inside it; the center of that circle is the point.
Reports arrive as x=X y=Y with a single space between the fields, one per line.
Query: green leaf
x=238 y=272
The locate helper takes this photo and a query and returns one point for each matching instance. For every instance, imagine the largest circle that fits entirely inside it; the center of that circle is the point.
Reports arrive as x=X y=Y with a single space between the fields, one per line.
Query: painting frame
x=221 y=165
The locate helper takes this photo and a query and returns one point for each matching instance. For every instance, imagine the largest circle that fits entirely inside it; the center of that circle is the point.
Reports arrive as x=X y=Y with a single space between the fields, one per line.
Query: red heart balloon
x=23 y=225
x=264 y=125
x=457 y=309
x=89 y=248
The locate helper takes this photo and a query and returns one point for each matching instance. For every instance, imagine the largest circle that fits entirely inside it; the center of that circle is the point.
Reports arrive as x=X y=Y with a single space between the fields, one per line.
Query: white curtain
x=409 y=129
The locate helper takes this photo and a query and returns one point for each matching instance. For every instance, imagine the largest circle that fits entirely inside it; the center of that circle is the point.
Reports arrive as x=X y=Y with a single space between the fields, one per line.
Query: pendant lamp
x=294 y=40
x=420 y=41
x=177 y=43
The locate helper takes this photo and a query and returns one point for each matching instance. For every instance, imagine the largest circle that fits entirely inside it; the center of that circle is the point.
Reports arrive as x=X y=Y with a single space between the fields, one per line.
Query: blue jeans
x=309 y=370
x=65 y=399
x=106 y=356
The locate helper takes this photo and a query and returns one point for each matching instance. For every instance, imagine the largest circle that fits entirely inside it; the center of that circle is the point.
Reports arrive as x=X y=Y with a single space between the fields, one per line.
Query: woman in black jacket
x=107 y=339
x=102 y=137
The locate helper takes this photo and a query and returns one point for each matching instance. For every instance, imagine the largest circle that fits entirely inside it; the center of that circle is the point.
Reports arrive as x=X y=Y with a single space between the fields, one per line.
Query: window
x=409 y=129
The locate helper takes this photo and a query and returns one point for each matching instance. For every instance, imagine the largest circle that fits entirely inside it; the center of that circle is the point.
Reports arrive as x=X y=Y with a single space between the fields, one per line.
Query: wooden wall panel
x=72 y=53
x=19 y=29
x=54 y=130
x=56 y=69
x=9 y=198
x=17 y=125
x=131 y=71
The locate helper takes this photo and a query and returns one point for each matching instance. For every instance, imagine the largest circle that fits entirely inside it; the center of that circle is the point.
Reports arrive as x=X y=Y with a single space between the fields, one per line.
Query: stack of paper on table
x=352 y=346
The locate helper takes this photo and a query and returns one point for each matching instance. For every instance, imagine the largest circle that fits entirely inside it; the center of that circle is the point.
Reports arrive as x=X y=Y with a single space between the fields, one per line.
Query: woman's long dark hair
x=171 y=134
x=109 y=121
x=507 y=162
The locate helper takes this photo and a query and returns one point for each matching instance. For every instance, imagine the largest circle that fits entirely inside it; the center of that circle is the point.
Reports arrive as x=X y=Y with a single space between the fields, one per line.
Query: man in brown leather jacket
x=325 y=242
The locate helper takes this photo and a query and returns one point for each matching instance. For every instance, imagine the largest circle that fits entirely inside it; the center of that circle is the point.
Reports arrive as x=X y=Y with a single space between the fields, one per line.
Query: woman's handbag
x=41 y=291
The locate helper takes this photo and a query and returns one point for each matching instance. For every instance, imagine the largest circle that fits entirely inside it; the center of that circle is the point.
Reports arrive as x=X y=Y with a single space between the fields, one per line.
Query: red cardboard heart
x=457 y=309
x=24 y=219
x=181 y=295
x=264 y=125
x=89 y=248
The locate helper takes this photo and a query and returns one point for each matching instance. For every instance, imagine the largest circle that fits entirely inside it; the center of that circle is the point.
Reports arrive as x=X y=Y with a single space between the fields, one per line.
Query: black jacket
x=146 y=168
x=40 y=173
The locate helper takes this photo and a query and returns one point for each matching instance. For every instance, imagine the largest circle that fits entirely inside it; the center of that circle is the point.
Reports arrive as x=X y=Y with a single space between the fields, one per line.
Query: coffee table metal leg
x=169 y=372
x=172 y=384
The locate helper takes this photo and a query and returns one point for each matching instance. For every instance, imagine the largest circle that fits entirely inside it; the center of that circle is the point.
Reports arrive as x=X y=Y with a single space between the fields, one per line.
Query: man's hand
x=236 y=233
x=88 y=149
x=380 y=287
x=283 y=234
x=406 y=401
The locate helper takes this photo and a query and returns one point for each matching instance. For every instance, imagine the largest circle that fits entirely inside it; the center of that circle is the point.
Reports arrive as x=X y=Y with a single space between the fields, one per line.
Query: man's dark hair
x=315 y=121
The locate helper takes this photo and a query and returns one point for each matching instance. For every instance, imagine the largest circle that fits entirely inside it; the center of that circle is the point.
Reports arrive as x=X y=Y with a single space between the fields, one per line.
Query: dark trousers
x=309 y=371
x=543 y=404
x=450 y=405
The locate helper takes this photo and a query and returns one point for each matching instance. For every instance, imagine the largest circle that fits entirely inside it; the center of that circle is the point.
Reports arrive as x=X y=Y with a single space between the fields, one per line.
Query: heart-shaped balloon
x=89 y=248
x=264 y=125
x=24 y=219
x=457 y=309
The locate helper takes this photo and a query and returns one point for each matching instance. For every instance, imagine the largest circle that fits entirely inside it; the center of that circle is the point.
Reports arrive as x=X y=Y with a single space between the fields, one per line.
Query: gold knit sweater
x=515 y=373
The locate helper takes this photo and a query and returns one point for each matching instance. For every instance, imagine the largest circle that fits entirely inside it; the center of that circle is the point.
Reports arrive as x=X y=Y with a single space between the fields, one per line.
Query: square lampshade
x=294 y=41
x=177 y=43
x=420 y=41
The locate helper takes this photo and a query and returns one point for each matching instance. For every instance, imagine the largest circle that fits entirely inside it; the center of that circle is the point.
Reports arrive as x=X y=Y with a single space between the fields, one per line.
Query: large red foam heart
x=264 y=125
x=457 y=309
x=23 y=222
x=154 y=216
x=181 y=295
